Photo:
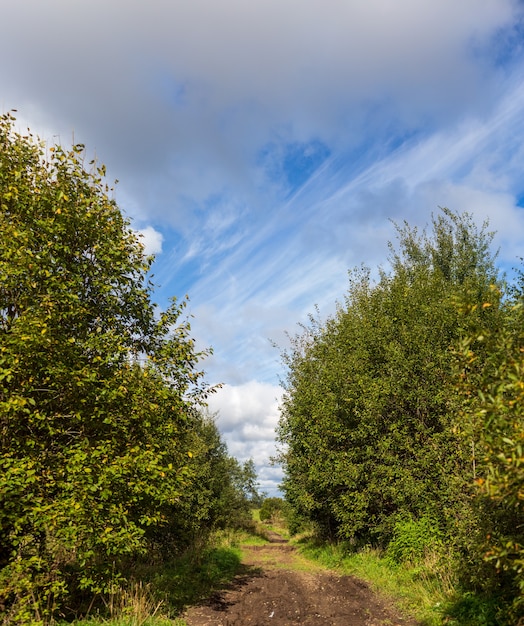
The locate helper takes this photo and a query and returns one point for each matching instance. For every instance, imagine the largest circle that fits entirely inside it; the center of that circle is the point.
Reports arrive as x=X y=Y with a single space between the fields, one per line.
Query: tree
x=96 y=388
x=367 y=423
x=272 y=507
x=220 y=489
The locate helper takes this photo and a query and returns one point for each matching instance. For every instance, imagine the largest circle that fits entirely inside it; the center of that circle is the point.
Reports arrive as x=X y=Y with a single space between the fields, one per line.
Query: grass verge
x=426 y=590
x=276 y=524
x=415 y=593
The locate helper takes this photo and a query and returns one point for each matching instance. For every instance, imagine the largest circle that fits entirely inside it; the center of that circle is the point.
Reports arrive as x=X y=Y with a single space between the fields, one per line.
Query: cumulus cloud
x=245 y=408
x=151 y=239
x=247 y=416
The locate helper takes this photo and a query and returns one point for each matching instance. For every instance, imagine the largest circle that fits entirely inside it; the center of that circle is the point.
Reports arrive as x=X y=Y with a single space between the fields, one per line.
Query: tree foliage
x=221 y=487
x=406 y=406
x=272 y=507
x=367 y=414
x=491 y=369
x=102 y=447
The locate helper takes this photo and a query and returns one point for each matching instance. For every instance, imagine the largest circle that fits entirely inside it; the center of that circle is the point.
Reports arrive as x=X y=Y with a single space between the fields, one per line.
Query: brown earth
x=278 y=587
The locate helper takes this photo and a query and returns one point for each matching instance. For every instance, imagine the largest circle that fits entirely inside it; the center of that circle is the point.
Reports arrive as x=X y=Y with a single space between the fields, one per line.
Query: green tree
x=367 y=423
x=220 y=489
x=272 y=507
x=96 y=389
x=247 y=482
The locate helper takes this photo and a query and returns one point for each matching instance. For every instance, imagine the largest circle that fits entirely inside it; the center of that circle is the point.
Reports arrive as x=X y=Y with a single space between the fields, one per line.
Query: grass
x=426 y=589
x=131 y=621
x=414 y=593
x=276 y=524
x=189 y=579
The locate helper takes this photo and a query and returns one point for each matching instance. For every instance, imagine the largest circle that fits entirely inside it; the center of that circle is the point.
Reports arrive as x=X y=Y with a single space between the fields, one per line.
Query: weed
x=126 y=621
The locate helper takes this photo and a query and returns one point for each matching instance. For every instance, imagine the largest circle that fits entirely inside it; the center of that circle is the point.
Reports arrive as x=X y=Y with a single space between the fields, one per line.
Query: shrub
x=413 y=539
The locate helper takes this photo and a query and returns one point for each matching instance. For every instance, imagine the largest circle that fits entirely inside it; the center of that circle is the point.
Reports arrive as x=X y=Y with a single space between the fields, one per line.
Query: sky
x=264 y=148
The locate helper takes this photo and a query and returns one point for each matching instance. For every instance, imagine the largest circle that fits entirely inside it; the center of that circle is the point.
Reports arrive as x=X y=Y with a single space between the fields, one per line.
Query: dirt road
x=278 y=587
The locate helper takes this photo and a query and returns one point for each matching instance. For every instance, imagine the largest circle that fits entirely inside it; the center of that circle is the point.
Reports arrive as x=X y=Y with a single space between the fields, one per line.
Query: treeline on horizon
x=108 y=460
x=402 y=423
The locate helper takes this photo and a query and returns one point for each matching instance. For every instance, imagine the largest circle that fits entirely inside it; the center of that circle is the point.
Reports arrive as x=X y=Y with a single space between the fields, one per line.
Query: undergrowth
x=418 y=577
x=412 y=589
x=164 y=591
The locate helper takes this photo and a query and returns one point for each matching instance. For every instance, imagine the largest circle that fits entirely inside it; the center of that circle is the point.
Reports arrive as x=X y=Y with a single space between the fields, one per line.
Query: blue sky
x=264 y=147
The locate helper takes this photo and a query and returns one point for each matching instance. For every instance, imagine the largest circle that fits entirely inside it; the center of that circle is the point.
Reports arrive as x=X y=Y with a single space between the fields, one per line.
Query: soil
x=278 y=587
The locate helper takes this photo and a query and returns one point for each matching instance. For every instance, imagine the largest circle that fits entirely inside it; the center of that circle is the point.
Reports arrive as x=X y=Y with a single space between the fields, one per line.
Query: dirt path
x=278 y=587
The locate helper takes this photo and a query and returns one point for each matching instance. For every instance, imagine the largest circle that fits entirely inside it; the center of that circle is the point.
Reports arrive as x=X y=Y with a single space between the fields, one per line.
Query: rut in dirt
x=270 y=591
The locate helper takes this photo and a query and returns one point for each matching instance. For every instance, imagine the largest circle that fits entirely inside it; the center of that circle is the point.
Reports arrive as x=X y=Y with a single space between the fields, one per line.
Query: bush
x=413 y=539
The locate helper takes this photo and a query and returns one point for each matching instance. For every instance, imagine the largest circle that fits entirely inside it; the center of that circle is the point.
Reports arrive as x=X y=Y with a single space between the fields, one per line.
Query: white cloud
x=506 y=219
x=247 y=417
x=252 y=404
x=151 y=239
x=178 y=98
x=298 y=254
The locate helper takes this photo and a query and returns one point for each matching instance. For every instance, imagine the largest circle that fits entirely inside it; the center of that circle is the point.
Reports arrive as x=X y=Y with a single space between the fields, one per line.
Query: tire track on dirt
x=272 y=590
